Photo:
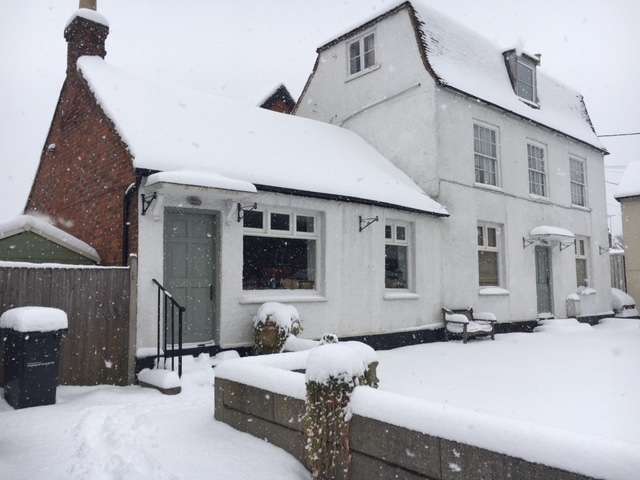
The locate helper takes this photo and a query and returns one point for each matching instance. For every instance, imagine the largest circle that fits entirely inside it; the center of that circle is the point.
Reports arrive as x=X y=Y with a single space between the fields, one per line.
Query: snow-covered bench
x=463 y=323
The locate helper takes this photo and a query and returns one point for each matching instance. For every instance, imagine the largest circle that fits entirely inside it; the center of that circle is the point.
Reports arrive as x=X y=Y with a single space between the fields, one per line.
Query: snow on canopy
x=88 y=14
x=199 y=179
x=169 y=128
x=550 y=231
x=630 y=183
x=465 y=60
x=39 y=226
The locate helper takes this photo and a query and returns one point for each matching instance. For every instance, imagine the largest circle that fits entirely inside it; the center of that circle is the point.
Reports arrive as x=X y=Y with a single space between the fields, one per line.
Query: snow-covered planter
x=272 y=325
x=333 y=371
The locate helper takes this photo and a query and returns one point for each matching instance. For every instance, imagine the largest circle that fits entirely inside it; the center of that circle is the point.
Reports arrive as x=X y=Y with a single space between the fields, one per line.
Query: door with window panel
x=488 y=256
x=544 y=291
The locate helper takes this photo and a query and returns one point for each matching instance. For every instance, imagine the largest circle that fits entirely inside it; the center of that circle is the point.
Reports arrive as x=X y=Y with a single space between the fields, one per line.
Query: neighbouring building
x=279 y=100
x=35 y=240
x=628 y=194
x=508 y=150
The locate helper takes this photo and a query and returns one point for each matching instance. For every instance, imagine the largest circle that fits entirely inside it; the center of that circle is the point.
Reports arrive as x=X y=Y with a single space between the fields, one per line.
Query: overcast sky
x=243 y=48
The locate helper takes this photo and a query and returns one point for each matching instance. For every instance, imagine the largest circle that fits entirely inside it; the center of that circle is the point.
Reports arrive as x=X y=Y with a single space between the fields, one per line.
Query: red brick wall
x=81 y=181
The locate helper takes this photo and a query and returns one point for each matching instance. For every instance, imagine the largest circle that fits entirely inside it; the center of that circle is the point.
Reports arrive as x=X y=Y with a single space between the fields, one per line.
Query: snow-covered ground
x=103 y=432
x=571 y=377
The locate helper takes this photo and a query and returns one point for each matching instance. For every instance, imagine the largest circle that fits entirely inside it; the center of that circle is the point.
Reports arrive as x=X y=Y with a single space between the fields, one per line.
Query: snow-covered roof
x=88 y=14
x=468 y=62
x=29 y=223
x=630 y=183
x=169 y=128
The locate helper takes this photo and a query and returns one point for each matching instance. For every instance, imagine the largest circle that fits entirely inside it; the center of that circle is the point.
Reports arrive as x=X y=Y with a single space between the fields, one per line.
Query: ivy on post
x=333 y=371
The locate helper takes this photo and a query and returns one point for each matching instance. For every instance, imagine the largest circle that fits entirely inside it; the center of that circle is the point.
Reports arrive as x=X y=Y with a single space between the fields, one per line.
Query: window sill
x=362 y=73
x=493 y=291
x=539 y=198
x=580 y=207
x=289 y=296
x=488 y=186
x=391 y=295
x=529 y=103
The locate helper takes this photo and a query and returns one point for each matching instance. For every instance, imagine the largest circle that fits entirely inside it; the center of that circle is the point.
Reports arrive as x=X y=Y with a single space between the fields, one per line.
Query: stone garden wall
x=379 y=449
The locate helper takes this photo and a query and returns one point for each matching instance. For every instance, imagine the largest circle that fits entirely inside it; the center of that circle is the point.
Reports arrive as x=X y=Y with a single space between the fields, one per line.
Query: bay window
x=280 y=250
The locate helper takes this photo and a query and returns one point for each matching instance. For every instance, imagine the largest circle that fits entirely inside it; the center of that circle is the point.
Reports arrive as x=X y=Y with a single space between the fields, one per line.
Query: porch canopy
x=549 y=235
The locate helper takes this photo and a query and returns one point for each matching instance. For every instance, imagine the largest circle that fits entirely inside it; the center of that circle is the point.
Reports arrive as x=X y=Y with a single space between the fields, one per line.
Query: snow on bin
x=31 y=337
x=573 y=305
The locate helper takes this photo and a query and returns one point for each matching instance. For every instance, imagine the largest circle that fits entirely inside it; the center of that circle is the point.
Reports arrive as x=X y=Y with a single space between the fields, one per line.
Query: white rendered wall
x=427 y=131
x=352 y=299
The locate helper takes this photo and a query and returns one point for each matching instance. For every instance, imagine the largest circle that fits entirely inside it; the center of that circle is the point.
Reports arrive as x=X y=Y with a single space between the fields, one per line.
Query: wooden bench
x=462 y=323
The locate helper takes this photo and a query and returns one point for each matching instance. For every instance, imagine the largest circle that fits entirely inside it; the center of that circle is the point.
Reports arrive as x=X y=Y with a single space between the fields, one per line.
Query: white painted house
x=508 y=150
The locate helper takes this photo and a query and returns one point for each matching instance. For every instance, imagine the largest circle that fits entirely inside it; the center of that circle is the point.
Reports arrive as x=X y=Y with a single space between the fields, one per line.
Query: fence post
x=333 y=371
x=133 y=317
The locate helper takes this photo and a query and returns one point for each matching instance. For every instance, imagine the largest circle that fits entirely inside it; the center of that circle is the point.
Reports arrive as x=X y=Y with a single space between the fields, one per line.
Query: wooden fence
x=97 y=348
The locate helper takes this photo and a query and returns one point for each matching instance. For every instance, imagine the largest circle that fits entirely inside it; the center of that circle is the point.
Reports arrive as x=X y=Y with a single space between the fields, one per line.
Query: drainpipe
x=126 y=201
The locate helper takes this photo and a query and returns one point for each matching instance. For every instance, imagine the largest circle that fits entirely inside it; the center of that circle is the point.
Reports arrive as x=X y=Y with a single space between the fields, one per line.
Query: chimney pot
x=90 y=4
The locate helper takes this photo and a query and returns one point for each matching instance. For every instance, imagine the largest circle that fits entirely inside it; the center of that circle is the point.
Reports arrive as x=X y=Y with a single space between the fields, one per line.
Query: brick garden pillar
x=332 y=372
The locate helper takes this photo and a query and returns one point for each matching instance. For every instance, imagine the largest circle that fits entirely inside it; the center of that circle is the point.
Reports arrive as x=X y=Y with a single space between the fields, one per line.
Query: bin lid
x=34 y=319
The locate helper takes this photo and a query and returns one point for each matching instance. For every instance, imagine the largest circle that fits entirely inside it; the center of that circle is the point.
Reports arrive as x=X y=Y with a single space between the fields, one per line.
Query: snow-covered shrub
x=328 y=338
x=272 y=325
x=333 y=371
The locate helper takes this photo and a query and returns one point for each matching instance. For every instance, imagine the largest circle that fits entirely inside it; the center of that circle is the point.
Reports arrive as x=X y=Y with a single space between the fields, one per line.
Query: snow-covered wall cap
x=34 y=319
x=630 y=183
x=342 y=361
x=547 y=232
x=29 y=223
x=200 y=179
x=88 y=14
x=170 y=128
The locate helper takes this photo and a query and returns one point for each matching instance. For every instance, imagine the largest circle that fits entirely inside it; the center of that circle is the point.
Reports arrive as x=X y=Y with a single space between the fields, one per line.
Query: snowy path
x=579 y=379
x=113 y=433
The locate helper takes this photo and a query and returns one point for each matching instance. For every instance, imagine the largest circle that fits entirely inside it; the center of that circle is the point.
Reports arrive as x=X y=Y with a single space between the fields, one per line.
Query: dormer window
x=525 y=80
x=522 y=73
x=362 y=54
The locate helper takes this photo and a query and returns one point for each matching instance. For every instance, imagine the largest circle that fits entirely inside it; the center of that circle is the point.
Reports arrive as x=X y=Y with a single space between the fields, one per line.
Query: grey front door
x=189 y=270
x=543 y=280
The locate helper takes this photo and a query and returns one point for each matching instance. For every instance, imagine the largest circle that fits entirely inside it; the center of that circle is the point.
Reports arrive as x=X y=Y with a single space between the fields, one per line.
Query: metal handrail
x=167 y=303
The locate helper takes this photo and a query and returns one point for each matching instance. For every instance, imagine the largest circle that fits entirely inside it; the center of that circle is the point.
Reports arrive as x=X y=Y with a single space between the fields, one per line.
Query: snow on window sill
x=488 y=186
x=289 y=296
x=585 y=291
x=529 y=103
x=539 y=198
x=362 y=72
x=580 y=207
x=493 y=291
x=391 y=295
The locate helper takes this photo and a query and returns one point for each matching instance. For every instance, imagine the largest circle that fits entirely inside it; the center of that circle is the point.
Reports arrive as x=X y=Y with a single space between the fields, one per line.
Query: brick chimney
x=85 y=34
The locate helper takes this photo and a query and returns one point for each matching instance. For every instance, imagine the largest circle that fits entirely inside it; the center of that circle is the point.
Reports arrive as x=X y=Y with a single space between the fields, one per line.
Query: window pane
x=491 y=236
x=480 y=236
x=369 y=52
x=581 y=242
x=280 y=221
x=581 y=272
x=354 y=57
x=278 y=263
x=387 y=231
x=486 y=154
x=401 y=233
x=395 y=262
x=252 y=219
x=488 y=268
x=305 y=224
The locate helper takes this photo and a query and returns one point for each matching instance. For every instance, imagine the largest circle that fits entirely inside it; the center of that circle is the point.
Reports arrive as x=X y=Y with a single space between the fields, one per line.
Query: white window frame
x=498 y=249
x=485 y=157
x=583 y=162
x=407 y=242
x=266 y=231
x=525 y=64
x=362 y=68
x=543 y=172
x=582 y=243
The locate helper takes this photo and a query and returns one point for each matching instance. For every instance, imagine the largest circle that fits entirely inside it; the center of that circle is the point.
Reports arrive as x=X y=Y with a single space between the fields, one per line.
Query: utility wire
x=619 y=134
